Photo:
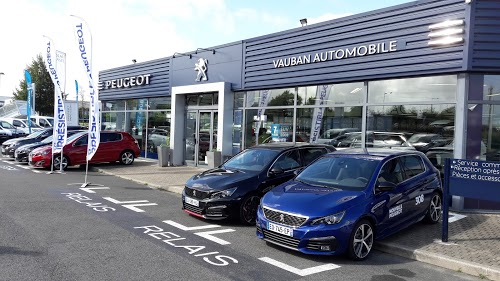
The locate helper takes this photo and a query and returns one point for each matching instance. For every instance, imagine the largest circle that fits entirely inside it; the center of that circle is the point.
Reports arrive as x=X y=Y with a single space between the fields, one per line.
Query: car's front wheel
x=361 y=241
x=433 y=214
x=57 y=162
x=127 y=158
x=248 y=209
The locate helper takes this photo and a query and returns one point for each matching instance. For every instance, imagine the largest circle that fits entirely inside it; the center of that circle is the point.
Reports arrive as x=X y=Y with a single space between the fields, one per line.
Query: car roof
x=375 y=152
x=288 y=145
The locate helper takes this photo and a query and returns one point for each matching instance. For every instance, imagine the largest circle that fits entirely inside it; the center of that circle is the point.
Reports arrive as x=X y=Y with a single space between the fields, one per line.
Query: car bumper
x=314 y=240
x=21 y=157
x=210 y=208
x=39 y=162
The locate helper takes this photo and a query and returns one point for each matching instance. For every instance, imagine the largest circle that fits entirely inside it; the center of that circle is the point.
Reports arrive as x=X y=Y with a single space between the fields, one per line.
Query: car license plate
x=280 y=229
x=192 y=201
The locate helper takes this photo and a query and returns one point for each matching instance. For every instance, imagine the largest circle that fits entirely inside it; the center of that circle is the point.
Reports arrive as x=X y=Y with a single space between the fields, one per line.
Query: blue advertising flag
x=28 y=99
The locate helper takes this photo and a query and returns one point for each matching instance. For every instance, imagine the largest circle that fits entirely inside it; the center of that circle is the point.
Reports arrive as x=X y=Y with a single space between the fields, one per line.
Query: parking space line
x=185 y=228
x=24 y=167
x=301 y=272
x=208 y=235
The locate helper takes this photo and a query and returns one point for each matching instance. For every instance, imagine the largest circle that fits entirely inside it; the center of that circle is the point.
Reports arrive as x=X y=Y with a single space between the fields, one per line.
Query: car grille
x=194 y=193
x=194 y=209
x=280 y=239
x=284 y=218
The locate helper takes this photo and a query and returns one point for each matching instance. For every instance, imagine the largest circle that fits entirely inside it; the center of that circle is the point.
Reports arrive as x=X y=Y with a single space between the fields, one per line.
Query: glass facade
x=147 y=120
x=389 y=112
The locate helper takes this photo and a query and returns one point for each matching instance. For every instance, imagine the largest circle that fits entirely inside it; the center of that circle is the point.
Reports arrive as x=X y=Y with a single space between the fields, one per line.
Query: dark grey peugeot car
x=234 y=189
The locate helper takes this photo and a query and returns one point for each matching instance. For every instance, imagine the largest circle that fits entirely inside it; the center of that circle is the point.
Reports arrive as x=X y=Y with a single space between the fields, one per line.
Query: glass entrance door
x=200 y=135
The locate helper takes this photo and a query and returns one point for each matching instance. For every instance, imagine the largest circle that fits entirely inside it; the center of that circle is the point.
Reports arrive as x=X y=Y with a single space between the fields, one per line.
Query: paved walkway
x=473 y=246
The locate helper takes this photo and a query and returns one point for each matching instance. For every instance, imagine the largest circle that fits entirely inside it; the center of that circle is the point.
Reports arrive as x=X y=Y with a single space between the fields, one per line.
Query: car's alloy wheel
x=57 y=162
x=361 y=241
x=435 y=207
x=127 y=158
x=248 y=209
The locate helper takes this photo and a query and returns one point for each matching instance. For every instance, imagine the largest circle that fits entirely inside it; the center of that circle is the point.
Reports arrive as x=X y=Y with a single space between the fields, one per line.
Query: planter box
x=163 y=156
x=214 y=159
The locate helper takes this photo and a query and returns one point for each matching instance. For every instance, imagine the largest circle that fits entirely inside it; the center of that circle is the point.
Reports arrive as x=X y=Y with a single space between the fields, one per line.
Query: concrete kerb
x=458 y=265
x=174 y=188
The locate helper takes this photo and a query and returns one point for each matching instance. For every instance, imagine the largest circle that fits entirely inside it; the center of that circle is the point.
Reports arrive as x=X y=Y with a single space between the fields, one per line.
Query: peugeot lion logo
x=282 y=218
x=194 y=192
x=201 y=67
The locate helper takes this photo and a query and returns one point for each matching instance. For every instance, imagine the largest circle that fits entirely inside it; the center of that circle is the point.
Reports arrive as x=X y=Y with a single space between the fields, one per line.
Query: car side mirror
x=276 y=171
x=385 y=186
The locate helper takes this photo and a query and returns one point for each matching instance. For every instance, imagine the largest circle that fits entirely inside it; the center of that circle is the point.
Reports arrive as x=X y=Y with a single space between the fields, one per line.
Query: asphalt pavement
x=473 y=245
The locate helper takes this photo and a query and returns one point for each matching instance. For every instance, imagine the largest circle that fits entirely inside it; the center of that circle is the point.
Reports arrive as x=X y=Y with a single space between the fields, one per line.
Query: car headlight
x=223 y=193
x=331 y=219
x=46 y=152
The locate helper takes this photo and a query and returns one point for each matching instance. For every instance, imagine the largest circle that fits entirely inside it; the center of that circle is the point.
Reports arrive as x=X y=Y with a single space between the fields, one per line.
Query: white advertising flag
x=60 y=125
x=317 y=118
x=84 y=41
x=61 y=69
x=263 y=101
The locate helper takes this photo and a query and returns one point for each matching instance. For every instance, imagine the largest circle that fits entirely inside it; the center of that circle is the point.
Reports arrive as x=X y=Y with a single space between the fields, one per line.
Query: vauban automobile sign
x=338 y=54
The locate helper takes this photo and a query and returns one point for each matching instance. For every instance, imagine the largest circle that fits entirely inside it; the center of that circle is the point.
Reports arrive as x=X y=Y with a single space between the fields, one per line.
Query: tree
x=44 y=88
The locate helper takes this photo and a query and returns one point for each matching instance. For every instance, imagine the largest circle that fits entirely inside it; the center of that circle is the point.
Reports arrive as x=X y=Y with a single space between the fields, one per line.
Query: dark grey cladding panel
x=223 y=66
x=159 y=80
x=485 y=53
x=407 y=24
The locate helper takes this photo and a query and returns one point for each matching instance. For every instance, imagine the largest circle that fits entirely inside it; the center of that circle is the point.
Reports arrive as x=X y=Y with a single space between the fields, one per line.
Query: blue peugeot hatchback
x=345 y=200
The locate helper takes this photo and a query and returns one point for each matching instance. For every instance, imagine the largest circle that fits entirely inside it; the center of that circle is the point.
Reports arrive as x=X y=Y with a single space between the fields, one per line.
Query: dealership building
x=429 y=67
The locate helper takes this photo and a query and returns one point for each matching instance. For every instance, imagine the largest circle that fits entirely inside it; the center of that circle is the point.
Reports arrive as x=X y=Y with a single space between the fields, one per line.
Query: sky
x=123 y=30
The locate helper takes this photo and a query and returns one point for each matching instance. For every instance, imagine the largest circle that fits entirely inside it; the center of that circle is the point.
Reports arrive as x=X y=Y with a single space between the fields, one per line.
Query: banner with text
x=60 y=125
x=317 y=118
x=84 y=41
x=29 y=88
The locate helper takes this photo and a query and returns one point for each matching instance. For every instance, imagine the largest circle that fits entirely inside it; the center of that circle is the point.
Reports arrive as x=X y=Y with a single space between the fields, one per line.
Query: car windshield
x=251 y=159
x=47 y=139
x=6 y=125
x=421 y=138
x=35 y=134
x=33 y=124
x=343 y=173
x=75 y=136
x=51 y=121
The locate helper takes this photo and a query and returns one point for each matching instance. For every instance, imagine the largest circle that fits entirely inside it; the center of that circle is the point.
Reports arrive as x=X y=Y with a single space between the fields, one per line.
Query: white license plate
x=192 y=201
x=280 y=229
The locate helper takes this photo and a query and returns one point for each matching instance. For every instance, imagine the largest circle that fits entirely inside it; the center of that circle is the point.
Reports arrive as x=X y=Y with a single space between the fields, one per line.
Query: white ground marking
x=208 y=235
x=186 y=228
x=90 y=189
x=301 y=272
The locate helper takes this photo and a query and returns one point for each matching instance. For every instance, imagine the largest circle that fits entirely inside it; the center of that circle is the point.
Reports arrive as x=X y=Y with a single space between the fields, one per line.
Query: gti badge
x=201 y=67
x=282 y=218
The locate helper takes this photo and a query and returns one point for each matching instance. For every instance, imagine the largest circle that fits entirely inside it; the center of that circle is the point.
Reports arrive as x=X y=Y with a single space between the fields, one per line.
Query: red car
x=113 y=146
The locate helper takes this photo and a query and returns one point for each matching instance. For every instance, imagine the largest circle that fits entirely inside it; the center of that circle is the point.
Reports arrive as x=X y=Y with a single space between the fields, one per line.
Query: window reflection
x=278 y=121
x=280 y=97
x=435 y=89
x=348 y=93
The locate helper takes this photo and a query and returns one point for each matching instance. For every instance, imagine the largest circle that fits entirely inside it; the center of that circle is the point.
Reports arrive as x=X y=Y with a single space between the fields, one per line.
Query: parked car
x=22 y=124
x=330 y=135
x=345 y=200
x=113 y=146
x=22 y=152
x=14 y=132
x=424 y=141
x=9 y=147
x=235 y=188
x=376 y=139
x=43 y=121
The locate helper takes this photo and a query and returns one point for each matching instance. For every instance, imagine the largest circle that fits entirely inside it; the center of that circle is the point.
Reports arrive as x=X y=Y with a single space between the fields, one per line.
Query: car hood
x=33 y=145
x=311 y=201
x=219 y=178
